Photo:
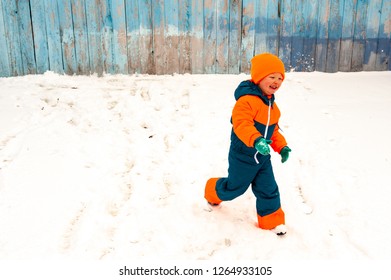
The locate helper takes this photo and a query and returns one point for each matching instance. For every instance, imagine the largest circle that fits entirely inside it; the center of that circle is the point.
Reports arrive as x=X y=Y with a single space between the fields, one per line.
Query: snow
x=114 y=167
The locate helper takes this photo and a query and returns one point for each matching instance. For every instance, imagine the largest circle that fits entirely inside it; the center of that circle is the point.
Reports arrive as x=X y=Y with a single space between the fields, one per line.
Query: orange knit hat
x=265 y=64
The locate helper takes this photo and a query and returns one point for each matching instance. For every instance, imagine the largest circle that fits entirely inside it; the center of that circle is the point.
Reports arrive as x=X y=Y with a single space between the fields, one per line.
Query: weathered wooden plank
x=26 y=38
x=383 y=61
x=359 y=36
x=160 y=57
x=11 y=28
x=273 y=26
x=235 y=34
x=285 y=48
x=248 y=35
x=334 y=35
x=310 y=9
x=133 y=27
x=94 y=27
x=67 y=36
x=119 y=48
x=372 y=35
x=345 y=56
x=5 y=70
x=147 y=61
x=298 y=56
x=222 y=36
x=184 y=47
x=38 y=13
x=210 y=36
x=53 y=37
x=106 y=18
x=171 y=36
x=260 y=26
x=82 y=59
x=323 y=32
x=197 y=37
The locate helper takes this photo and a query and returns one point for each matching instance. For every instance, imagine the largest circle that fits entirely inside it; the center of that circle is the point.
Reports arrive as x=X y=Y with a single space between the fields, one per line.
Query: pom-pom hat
x=264 y=64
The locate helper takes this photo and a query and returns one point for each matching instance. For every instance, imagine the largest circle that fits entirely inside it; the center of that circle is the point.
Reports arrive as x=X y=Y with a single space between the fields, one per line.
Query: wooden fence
x=191 y=36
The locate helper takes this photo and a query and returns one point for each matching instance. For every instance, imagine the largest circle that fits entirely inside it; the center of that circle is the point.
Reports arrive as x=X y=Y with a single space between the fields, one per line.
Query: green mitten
x=262 y=146
x=285 y=153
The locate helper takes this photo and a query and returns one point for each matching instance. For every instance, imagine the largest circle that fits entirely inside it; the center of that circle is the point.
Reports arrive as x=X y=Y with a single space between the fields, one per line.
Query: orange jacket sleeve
x=243 y=115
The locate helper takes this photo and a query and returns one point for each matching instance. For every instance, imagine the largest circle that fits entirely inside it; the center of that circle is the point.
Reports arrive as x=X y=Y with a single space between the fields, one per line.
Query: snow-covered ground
x=114 y=168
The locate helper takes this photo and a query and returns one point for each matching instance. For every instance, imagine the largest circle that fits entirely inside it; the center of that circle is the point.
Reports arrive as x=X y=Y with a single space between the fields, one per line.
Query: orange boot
x=272 y=221
x=210 y=192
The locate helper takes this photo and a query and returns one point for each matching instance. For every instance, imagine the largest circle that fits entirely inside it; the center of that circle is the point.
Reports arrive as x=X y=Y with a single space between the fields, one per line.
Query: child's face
x=271 y=83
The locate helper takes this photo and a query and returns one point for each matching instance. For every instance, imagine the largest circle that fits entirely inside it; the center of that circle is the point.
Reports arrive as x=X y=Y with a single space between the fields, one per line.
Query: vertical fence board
x=79 y=19
x=133 y=35
x=26 y=38
x=335 y=31
x=359 y=36
x=67 y=36
x=94 y=27
x=147 y=62
x=298 y=29
x=323 y=32
x=345 y=57
x=273 y=26
x=171 y=36
x=260 y=26
x=120 y=49
x=5 y=70
x=38 y=12
x=158 y=36
x=184 y=45
x=53 y=37
x=309 y=40
x=372 y=34
x=235 y=38
x=248 y=35
x=285 y=48
x=197 y=37
x=210 y=36
x=222 y=10
x=106 y=18
x=11 y=28
x=384 y=46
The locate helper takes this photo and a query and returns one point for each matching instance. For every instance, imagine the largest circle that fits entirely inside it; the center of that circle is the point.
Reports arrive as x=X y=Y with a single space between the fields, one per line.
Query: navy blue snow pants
x=248 y=168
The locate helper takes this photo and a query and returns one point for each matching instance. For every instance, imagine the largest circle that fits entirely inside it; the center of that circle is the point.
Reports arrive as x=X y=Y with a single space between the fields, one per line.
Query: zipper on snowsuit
x=266 y=130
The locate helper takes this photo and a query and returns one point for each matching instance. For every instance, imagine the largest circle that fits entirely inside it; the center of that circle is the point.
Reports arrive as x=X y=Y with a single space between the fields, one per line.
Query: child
x=255 y=126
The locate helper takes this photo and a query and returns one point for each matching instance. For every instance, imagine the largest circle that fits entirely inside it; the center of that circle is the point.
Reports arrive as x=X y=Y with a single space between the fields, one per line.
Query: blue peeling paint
x=210 y=36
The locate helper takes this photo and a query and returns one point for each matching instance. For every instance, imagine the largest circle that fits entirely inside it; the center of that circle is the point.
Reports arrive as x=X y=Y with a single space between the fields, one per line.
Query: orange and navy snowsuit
x=254 y=115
